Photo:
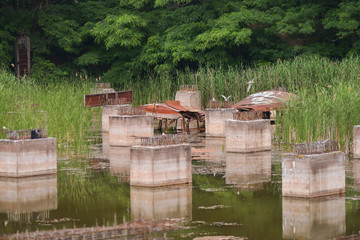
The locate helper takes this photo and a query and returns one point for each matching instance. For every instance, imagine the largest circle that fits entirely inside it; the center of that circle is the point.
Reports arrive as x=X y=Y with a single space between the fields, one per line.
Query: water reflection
x=120 y=162
x=161 y=202
x=248 y=170
x=105 y=145
x=215 y=148
x=24 y=199
x=319 y=218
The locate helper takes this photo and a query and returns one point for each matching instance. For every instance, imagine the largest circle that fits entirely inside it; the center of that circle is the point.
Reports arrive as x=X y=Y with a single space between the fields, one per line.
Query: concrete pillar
x=30 y=157
x=105 y=145
x=248 y=136
x=161 y=202
x=120 y=163
x=356 y=170
x=110 y=110
x=313 y=175
x=318 y=218
x=356 y=144
x=126 y=130
x=22 y=196
x=191 y=99
x=215 y=121
x=160 y=165
x=215 y=148
x=248 y=170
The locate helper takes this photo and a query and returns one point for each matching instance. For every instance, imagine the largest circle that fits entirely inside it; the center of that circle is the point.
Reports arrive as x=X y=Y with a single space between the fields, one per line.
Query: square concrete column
x=248 y=136
x=318 y=218
x=313 y=175
x=356 y=144
x=215 y=121
x=160 y=165
x=191 y=99
x=125 y=130
x=107 y=111
x=30 y=157
x=161 y=202
x=248 y=169
x=120 y=163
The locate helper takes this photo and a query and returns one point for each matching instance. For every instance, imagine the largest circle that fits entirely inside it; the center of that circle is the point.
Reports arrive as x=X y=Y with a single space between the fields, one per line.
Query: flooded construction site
x=172 y=171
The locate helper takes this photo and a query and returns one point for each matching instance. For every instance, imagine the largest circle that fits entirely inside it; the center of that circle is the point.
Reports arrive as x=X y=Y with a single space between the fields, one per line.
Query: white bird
x=226 y=98
x=4 y=128
x=250 y=83
x=214 y=99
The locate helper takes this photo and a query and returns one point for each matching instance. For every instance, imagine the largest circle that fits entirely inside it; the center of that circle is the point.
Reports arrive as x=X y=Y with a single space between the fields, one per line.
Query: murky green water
x=231 y=195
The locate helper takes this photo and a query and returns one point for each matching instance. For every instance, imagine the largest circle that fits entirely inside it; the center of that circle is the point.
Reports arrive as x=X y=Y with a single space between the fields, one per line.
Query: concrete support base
x=356 y=143
x=30 y=157
x=191 y=99
x=313 y=175
x=127 y=130
x=215 y=121
x=160 y=165
x=120 y=163
x=110 y=110
x=319 y=218
x=248 y=136
x=161 y=202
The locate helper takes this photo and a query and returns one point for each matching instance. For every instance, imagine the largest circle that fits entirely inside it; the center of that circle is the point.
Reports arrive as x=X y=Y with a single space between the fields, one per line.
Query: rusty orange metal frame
x=101 y=99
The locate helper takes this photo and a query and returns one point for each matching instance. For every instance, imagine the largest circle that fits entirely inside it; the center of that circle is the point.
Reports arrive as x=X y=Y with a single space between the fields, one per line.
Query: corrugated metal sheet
x=265 y=101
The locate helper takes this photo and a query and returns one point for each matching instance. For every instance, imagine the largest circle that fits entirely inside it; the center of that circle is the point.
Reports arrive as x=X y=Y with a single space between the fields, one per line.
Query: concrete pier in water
x=215 y=121
x=191 y=99
x=110 y=110
x=29 y=157
x=248 y=136
x=161 y=202
x=120 y=163
x=313 y=175
x=356 y=143
x=126 y=130
x=153 y=166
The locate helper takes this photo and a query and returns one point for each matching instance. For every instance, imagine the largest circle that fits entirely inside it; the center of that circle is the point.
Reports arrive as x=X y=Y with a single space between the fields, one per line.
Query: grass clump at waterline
x=59 y=105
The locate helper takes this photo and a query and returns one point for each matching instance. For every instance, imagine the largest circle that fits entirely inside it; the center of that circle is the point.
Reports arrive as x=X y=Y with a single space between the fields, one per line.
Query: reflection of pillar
x=215 y=148
x=20 y=197
x=161 y=202
x=120 y=162
x=105 y=145
x=248 y=170
x=215 y=121
x=319 y=218
x=356 y=170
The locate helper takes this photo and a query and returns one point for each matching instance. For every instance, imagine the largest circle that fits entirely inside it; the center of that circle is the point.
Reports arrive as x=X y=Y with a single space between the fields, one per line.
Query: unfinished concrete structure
x=27 y=157
x=120 y=163
x=161 y=202
x=189 y=96
x=110 y=110
x=160 y=165
x=248 y=136
x=313 y=175
x=21 y=197
x=215 y=121
x=319 y=218
x=126 y=130
x=356 y=144
x=356 y=170
x=248 y=170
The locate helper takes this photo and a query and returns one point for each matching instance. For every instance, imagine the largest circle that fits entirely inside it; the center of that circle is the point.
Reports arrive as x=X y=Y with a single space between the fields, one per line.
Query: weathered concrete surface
x=20 y=158
x=191 y=99
x=107 y=111
x=248 y=170
x=215 y=148
x=248 y=136
x=120 y=162
x=105 y=145
x=161 y=202
x=215 y=121
x=160 y=165
x=319 y=218
x=313 y=175
x=356 y=143
x=127 y=130
x=356 y=170
x=25 y=195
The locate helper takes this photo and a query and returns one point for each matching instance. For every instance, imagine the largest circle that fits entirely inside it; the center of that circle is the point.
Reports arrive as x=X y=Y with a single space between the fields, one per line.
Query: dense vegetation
x=119 y=39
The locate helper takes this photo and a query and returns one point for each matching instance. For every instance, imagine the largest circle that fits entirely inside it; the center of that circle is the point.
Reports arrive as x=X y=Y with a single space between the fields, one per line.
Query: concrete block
x=248 y=136
x=356 y=143
x=126 y=130
x=215 y=121
x=318 y=218
x=191 y=99
x=248 y=170
x=215 y=149
x=120 y=163
x=22 y=196
x=356 y=170
x=160 y=165
x=20 y=158
x=107 y=111
x=161 y=202
x=313 y=175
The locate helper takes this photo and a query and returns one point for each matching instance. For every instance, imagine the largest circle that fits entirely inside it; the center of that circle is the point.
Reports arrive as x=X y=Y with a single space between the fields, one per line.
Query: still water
x=231 y=195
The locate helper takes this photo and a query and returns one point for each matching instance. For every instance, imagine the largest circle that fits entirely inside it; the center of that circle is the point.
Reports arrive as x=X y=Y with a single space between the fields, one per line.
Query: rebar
x=188 y=88
x=247 y=115
x=131 y=111
x=162 y=140
x=316 y=147
x=219 y=104
x=23 y=134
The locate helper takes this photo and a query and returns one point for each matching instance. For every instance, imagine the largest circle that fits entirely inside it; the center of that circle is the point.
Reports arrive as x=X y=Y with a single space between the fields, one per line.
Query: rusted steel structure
x=113 y=98
x=23 y=60
x=172 y=111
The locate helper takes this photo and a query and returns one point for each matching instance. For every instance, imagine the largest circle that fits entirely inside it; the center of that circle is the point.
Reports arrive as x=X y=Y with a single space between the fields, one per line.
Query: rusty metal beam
x=101 y=99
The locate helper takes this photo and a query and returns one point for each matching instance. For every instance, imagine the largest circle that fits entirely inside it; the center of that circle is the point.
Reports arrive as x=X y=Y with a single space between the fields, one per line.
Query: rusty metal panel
x=114 y=98
x=22 y=49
